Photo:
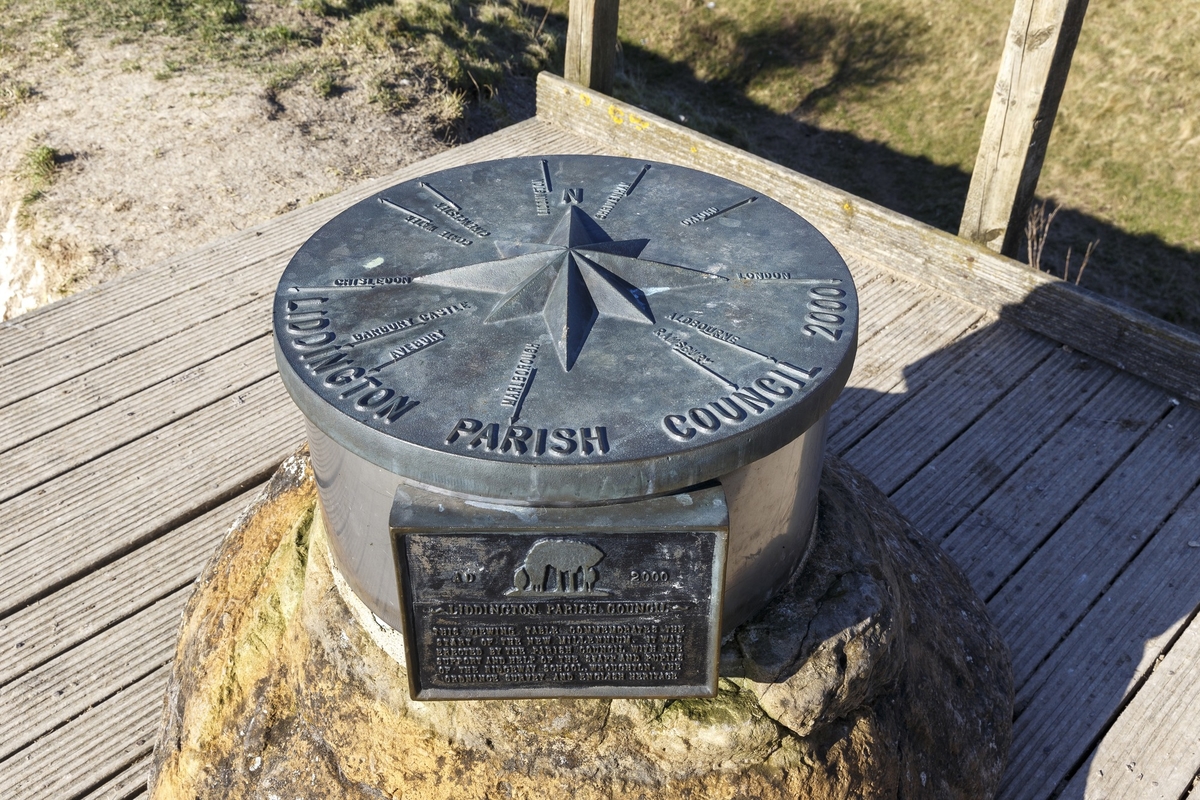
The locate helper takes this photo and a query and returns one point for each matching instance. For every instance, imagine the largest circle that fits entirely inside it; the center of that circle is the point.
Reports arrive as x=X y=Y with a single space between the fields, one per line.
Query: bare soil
x=151 y=167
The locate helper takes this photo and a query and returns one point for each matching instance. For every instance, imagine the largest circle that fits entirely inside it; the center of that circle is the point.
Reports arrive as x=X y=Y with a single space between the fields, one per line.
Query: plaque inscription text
x=544 y=614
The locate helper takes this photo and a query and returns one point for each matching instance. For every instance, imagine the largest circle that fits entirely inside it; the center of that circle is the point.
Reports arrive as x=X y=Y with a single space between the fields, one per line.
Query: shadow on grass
x=845 y=57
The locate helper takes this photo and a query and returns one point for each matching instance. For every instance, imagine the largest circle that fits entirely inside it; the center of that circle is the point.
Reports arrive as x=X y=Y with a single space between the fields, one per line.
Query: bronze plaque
x=539 y=614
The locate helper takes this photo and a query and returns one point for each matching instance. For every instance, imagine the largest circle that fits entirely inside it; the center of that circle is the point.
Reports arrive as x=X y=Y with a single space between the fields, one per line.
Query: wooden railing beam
x=592 y=44
x=1033 y=71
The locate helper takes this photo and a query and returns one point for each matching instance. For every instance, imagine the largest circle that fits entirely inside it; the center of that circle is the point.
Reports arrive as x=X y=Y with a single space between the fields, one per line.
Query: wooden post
x=592 y=43
x=1033 y=71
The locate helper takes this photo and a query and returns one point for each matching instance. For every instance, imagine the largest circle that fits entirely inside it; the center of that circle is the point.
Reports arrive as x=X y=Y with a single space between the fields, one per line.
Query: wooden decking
x=137 y=419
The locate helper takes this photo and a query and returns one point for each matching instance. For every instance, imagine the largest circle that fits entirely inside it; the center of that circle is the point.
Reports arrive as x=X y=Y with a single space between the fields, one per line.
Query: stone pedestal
x=876 y=674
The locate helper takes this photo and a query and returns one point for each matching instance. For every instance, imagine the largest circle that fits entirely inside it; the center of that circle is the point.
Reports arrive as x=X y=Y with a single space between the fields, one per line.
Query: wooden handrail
x=592 y=43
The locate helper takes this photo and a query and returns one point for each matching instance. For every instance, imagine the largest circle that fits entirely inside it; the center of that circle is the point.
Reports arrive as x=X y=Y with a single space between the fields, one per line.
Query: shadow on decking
x=1042 y=504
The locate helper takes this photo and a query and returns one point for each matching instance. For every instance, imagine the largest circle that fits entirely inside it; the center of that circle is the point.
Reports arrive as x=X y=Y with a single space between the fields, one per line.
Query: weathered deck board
x=884 y=371
x=881 y=300
x=128 y=296
x=996 y=538
x=1061 y=581
x=40 y=372
x=142 y=490
x=968 y=470
x=99 y=599
x=988 y=367
x=1109 y=652
x=170 y=358
x=84 y=440
x=59 y=690
x=99 y=743
x=1153 y=749
x=128 y=784
x=899 y=314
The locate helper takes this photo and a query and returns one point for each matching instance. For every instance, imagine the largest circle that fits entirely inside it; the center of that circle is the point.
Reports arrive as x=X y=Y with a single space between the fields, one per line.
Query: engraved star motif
x=578 y=275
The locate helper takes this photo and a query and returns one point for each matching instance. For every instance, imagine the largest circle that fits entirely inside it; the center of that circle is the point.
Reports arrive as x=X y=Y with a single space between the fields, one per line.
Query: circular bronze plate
x=565 y=329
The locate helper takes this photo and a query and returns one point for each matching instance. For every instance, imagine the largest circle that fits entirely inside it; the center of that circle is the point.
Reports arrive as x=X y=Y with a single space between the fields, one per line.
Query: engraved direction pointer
x=680 y=347
x=426 y=224
x=807 y=374
x=577 y=276
x=619 y=193
x=408 y=348
x=439 y=195
x=712 y=372
x=712 y=212
x=520 y=401
x=776 y=361
x=779 y=362
x=392 y=204
x=720 y=336
x=453 y=210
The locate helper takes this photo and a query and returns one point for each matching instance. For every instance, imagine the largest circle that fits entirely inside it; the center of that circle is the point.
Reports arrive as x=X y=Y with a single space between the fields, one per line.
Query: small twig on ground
x=1087 y=254
x=1037 y=230
x=542 y=24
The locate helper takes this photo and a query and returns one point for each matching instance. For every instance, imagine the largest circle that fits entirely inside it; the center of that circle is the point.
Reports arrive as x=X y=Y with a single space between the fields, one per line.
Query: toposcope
x=566 y=415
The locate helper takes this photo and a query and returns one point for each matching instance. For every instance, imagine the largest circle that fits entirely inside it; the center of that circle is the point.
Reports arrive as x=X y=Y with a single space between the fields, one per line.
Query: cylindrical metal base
x=771 y=502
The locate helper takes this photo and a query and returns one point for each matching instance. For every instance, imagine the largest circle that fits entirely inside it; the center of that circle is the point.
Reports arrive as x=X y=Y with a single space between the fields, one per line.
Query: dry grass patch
x=37 y=169
x=401 y=52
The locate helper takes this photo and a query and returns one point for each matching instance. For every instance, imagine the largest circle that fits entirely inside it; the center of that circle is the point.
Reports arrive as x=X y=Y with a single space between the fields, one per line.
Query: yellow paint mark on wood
x=620 y=117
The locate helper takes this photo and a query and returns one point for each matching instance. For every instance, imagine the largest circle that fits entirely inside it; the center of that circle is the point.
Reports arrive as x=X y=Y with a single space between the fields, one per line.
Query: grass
x=13 y=92
x=170 y=68
x=36 y=170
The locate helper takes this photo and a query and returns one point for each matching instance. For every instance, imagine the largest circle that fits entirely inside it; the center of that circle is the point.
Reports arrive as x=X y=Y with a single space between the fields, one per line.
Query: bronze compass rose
x=576 y=276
